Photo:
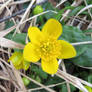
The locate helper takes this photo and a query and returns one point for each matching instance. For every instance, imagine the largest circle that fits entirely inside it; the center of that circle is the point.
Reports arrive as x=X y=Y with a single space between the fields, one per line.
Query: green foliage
x=89 y=1
x=20 y=38
x=64 y=88
x=38 y=9
x=25 y=81
x=73 y=34
x=60 y=12
x=9 y=24
x=39 y=72
x=70 y=34
x=90 y=78
x=48 y=6
x=85 y=59
x=75 y=10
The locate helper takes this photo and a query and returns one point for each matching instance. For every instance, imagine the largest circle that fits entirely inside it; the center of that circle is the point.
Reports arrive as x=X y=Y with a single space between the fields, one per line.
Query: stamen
x=49 y=49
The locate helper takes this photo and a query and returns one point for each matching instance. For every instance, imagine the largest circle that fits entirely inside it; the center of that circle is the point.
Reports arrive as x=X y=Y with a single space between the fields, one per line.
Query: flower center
x=49 y=49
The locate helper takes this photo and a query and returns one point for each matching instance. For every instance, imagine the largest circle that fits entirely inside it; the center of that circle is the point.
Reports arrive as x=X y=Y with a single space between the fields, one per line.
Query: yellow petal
x=50 y=67
x=67 y=50
x=52 y=28
x=35 y=35
x=30 y=53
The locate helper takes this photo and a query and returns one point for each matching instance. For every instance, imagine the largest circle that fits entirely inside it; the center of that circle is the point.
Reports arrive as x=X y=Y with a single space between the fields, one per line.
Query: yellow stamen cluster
x=49 y=48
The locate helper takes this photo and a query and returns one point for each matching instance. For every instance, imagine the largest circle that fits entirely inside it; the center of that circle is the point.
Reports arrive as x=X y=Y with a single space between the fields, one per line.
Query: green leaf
x=64 y=88
x=89 y=1
x=76 y=10
x=48 y=6
x=87 y=31
x=85 y=59
x=9 y=24
x=20 y=38
x=38 y=79
x=39 y=72
x=84 y=52
x=59 y=15
x=73 y=35
x=90 y=78
x=25 y=81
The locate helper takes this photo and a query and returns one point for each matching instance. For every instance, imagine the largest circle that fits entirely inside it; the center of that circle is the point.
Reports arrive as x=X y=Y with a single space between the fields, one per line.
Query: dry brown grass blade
x=64 y=69
x=45 y=87
x=2 y=88
x=35 y=16
x=7 y=31
x=24 y=16
x=2 y=26
x=73 y=80
x=5 y=4
x=4 y=78
x=85 y=8
x=53 y=85
x=75 y=4
x=10 y=44
x=61 y=2
x=19 y=79
x=19 y=2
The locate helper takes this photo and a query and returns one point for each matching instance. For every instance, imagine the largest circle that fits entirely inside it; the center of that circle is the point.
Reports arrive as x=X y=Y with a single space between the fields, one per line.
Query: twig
x=7 y=31
x=38 y=15
x=67 y=83
x=45 y=87
x=75 y=4
x=71 y=79
x=53 y=85
x=89 y=11
x=81 y=43
x=18 y=13
x=2 y=88
x=19 y=2
x=62 y=1
x=85 y=8
x=24 y=16
x=5 y=4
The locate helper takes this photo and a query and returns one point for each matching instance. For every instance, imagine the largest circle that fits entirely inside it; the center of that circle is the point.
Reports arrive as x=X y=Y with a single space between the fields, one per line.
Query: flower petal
x=35 y=35
x=50 y=67
x=30 y=53
x=67 y=50
x=52 y=28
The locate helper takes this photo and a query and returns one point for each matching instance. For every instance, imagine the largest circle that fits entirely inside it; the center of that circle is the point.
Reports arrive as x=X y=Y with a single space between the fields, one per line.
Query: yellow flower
x=45 y=46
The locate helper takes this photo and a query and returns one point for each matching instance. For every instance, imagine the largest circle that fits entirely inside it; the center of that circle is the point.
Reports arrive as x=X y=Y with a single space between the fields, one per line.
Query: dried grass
x=10 y=78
